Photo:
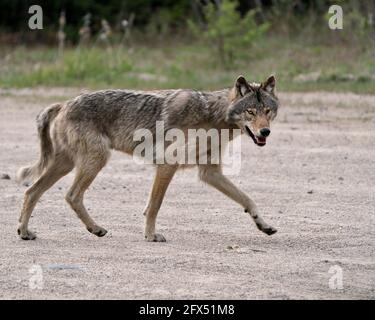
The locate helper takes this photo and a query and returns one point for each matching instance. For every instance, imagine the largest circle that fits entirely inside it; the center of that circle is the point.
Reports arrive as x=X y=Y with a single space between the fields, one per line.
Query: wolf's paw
x=267 y=229
x=26 y=235
x=98 y=231
x=156 y=237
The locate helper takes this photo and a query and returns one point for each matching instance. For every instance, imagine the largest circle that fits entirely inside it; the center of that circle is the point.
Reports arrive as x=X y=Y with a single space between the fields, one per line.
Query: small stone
x=5 y=176
x=229 y=248
x=310 y=192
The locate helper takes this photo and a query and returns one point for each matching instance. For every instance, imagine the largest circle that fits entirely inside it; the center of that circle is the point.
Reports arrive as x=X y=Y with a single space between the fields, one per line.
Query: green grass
x=341 y=68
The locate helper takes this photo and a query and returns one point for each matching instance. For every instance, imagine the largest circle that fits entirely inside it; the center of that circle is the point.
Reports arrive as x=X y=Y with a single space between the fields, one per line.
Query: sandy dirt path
x=314 y=181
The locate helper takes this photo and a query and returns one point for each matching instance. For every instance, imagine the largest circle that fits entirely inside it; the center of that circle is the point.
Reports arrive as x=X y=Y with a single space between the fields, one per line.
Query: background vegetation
x=197 y=44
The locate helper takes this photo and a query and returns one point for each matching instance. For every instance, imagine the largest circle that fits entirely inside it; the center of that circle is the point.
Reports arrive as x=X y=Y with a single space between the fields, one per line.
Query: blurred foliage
x=14 y=16
x=191 y=43
x=186 y=65
x=162 y=18
x=226 y=30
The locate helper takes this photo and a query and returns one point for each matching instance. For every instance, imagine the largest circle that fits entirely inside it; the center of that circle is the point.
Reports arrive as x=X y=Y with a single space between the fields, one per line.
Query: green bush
x=226 y=31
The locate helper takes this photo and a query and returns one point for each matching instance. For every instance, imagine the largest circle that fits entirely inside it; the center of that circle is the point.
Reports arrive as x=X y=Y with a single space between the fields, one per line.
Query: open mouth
x=259 y=141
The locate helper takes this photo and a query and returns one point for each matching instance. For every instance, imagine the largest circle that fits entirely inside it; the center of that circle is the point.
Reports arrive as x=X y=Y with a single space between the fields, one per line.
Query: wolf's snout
x=265 y=132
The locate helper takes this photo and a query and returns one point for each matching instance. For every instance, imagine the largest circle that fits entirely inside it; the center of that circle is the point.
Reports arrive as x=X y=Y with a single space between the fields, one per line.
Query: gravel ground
x=314 y=182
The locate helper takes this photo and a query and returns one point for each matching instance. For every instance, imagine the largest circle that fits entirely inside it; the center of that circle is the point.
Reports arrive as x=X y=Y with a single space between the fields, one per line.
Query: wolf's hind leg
x=88 y=167
x=164 y=175
x=213 y=175
x=60 y=166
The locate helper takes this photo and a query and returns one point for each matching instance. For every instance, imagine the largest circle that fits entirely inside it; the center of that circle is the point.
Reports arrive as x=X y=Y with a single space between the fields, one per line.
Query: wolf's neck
x=218 y=103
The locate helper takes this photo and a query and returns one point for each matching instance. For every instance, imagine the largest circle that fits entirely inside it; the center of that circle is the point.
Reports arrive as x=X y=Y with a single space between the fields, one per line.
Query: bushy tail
x=26 y=175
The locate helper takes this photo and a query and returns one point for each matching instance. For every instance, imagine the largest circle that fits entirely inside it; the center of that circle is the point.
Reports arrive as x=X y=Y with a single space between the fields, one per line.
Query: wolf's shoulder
x=184 y=107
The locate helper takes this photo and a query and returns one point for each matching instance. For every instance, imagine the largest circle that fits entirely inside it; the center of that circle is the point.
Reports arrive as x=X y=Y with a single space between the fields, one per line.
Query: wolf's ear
x=242 y=87
x=270 y=84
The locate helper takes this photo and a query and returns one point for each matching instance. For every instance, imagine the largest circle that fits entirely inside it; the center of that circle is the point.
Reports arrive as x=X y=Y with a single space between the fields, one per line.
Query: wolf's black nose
x=265 y=132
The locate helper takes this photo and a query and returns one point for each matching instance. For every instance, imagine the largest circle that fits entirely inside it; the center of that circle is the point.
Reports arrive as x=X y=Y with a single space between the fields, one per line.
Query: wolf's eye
x=250 y=112
x=267 y=111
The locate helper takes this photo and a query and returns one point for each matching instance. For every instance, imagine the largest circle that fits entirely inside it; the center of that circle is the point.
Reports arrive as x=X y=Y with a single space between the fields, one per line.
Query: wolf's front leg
x=213 y=175
x=164 y=175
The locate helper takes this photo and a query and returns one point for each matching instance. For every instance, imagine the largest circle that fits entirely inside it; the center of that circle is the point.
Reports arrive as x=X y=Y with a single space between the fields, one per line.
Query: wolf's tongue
x=261 y=140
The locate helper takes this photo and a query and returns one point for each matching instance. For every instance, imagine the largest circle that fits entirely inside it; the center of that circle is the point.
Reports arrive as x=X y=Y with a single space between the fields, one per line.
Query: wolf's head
x=253 y=107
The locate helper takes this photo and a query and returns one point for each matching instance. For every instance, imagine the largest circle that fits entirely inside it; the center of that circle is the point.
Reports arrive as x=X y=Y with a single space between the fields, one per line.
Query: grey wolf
x=81 y=132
